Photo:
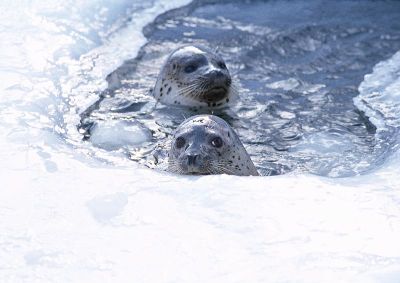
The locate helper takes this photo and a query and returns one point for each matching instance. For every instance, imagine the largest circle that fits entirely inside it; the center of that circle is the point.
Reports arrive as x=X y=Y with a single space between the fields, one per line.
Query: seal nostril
x=191 y=159
x=216 y=74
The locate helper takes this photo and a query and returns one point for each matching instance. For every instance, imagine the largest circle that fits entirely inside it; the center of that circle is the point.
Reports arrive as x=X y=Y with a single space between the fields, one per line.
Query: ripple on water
x=298 y=71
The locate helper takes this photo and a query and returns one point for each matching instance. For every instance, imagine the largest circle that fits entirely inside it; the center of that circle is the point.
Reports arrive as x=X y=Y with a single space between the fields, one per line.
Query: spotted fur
x=195 y=77
x=194 y=150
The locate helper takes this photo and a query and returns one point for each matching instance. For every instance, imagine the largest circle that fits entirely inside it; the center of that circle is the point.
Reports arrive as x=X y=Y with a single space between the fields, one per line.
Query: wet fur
x=231 y=159
x=175 y=87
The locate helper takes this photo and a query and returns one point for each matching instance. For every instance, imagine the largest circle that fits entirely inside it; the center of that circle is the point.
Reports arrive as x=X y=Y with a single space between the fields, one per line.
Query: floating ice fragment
x=115 y=134
x=288 y=84
x=323 y=142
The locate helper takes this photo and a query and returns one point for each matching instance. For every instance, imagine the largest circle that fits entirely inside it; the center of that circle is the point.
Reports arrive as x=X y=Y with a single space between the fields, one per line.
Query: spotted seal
x=206 y=144
x=195 y=77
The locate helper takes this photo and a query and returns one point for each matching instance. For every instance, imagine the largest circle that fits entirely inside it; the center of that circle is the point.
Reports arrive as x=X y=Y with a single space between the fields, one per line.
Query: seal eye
x=216 y=142
x=190 y=68
x=180 y=142
x=222 y=65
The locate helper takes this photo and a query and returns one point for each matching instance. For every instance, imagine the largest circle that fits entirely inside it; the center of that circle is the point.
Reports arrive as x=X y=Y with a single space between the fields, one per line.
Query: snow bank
x=68 y=217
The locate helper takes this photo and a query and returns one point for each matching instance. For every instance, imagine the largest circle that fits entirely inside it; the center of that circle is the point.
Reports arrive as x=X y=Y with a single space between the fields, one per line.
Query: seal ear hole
x=180 y=142
x=216 y=142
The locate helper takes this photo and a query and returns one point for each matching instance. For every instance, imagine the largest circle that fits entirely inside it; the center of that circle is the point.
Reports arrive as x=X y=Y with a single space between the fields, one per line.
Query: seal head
x=206 y=144
x=194 y=77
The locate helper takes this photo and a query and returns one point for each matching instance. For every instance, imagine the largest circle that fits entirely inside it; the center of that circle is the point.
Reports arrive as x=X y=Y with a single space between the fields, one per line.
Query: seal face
x=195 y=77
x=206 y=144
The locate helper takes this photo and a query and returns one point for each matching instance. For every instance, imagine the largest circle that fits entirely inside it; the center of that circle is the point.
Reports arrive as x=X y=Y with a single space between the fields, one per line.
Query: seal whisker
x=226 y=170
x=173 y=166
x=234 y=88
x=215 y=168
x=190 y=87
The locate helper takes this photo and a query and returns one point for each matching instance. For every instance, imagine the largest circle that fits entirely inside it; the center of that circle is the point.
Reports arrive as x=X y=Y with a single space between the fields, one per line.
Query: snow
x=380 y=93
x=87 y=223
x=67 y=216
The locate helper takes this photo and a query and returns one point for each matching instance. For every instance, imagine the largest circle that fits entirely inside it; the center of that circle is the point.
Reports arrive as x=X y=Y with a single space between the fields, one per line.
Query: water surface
x=298 y=65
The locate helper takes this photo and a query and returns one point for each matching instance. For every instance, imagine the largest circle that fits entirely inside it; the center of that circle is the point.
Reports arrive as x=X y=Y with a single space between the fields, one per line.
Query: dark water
x=298 y=64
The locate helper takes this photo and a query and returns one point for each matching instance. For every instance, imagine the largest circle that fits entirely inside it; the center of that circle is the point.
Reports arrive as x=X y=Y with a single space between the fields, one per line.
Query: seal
x=206 y=144
x=195 y=77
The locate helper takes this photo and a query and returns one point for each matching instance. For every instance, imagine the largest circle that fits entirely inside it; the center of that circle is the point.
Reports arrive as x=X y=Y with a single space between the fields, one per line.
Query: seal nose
x=218 y=78
x=216 y=75
x=191 y=159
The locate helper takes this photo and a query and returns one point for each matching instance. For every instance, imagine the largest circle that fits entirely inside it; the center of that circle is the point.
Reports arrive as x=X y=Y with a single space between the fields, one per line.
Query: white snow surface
x=69 y=216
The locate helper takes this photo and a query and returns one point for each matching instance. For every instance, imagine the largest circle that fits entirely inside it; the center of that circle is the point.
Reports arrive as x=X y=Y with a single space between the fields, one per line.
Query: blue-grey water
x=298 y=64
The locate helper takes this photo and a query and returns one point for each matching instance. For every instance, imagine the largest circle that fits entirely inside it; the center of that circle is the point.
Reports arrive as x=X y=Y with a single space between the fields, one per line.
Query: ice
x=380 y=93
x=295 y=84
x=288 y=84
x=115 y=134
x=66 y=216
x=323 y=142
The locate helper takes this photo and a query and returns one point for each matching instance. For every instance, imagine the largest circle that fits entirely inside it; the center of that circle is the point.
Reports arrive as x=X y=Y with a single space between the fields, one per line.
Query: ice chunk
x=323 y=143
x=114 y=134
x=288 y=84
x=380 y=94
